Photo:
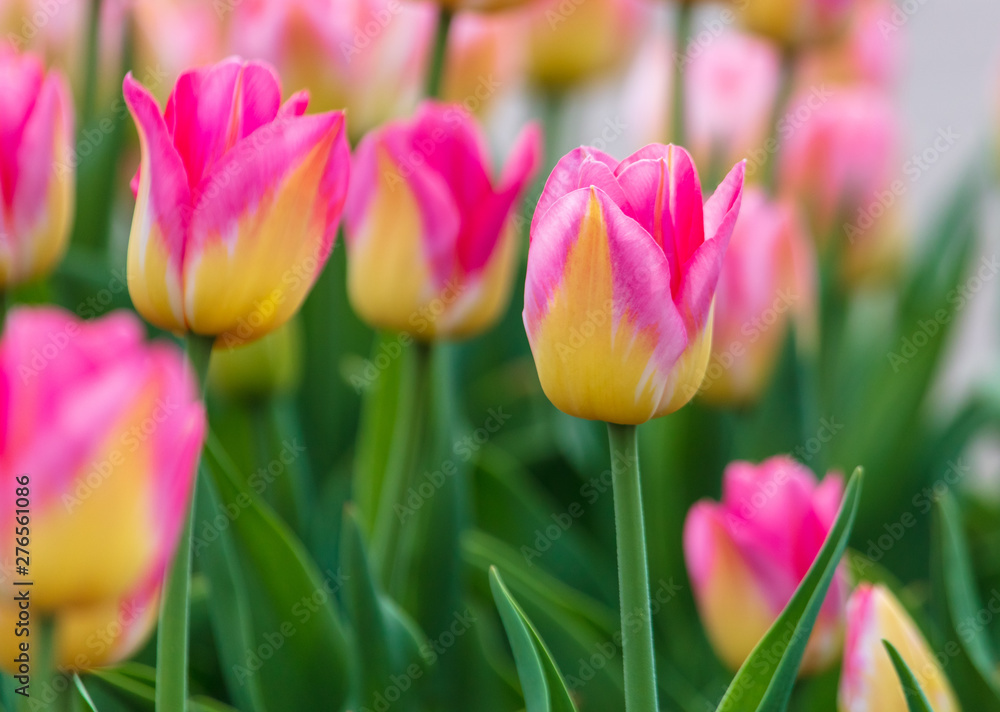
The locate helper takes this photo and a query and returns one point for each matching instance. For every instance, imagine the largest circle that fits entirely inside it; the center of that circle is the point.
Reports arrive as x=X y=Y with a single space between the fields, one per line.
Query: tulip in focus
x=36 y=173
x=107 y=429
x=431 y=237
x=869 y=680
x=237 y=201
x=796 y=22
x=571 y=42
x=369 y=56
x=731 y=88
x=747 y=554
x=622 y=271
x=768 y=280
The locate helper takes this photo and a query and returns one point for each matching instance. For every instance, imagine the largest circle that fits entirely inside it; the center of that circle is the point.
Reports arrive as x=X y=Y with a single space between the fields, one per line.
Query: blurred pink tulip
x=107 y=428
x=237 y=201
x=569 y=42
x=484 y=59
x=838 y=160
x=768 y=281
x=621 y=278
x=748 y=554
x=869 y=680
x=37 y=172
x=368 y=56
x=431 y=240
x=731 y=86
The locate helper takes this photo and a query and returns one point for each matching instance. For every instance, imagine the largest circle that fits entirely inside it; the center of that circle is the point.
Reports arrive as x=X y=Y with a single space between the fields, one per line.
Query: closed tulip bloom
x=796 y=22
x=107 y=428
x=622 y=271
x=747 y=554
x=731 y=88
x=431 y=239
x=869 y=680
x=768 y=281
x=237 y=201
x=569 y=43
x=36 y=170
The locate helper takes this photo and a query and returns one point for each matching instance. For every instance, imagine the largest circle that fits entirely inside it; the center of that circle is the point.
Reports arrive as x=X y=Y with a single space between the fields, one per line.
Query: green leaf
x=82 y=695
x=541 y=681
x=957 y=587
x=916 y=700
x=299 y=650
x=751 y=691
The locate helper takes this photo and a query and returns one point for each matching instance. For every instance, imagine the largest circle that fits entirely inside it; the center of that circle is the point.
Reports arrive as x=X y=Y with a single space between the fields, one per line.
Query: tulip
x=622 y=270
x=730 y=91
x=107 y=429
x=483 y=59
x=570 y=42
x=36 y=173
x=367 y=55
x=769 y=278
x=840 y=163
x=237 y=202
x=795 y=22
x=431 y=243
x=869 y=680
x=748 y=554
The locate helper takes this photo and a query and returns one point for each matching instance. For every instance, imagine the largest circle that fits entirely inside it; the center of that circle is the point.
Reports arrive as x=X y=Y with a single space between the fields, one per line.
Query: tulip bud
x=36 y=169
x=622 y=271
x=483 y=59
x=105 y=431
x=768 y=278
x=869 y=680
x=431 y=243
x=748 y=554
x=571 y=41
x=731 y=87
x=237 y=202
x=263 y=369
x=795 y=22
x=369 y=56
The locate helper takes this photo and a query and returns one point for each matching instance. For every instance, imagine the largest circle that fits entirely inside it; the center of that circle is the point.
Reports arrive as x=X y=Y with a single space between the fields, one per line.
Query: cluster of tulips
x=290 y=121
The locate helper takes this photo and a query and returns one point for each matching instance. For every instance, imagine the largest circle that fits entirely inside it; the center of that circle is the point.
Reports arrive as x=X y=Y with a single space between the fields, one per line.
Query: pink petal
x=565 y=178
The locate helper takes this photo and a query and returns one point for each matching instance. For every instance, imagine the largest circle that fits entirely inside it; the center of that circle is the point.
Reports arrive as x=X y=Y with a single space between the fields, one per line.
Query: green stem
x=90 y=63
x=52 y=688
x=172 y=635
x=3 y=308
x=435 y=74
x=633 y=572
x=682 y=32
x=780 y=107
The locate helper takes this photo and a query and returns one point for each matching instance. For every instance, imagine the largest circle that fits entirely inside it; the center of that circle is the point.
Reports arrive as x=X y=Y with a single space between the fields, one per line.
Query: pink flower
x=796 y=22
x=36 y=169
x=431 y=240
x=748 y=554
x=768 y=280
x=107 y=429
x=731 y=87
x=237 y=201
x=869 y=680
x=366 y=55
x=622 y=271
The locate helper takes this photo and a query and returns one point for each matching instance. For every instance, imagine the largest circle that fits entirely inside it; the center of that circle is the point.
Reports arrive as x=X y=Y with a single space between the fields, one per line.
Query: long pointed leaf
x=916 y=700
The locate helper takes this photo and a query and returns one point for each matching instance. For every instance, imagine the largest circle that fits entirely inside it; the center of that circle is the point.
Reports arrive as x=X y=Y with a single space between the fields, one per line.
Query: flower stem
x=682 y=31
x=435 y=74
x=633 y=572
x=172 y=636
x=785 y=87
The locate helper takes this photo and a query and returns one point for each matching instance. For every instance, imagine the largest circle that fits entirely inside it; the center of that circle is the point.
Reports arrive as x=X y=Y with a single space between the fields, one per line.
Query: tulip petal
x=242 y=275
x=565 y=178
x=162 y=215
x=603 y=330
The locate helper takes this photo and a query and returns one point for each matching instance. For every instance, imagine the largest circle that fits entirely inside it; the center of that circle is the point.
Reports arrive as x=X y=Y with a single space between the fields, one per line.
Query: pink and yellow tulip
x=869 y=680
x=431 y=239
x=107 y=429
x=36 y=170
x=795 y=22
x=748 y=554
x=237 y=201
x=768 y=282
x=622 y=270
